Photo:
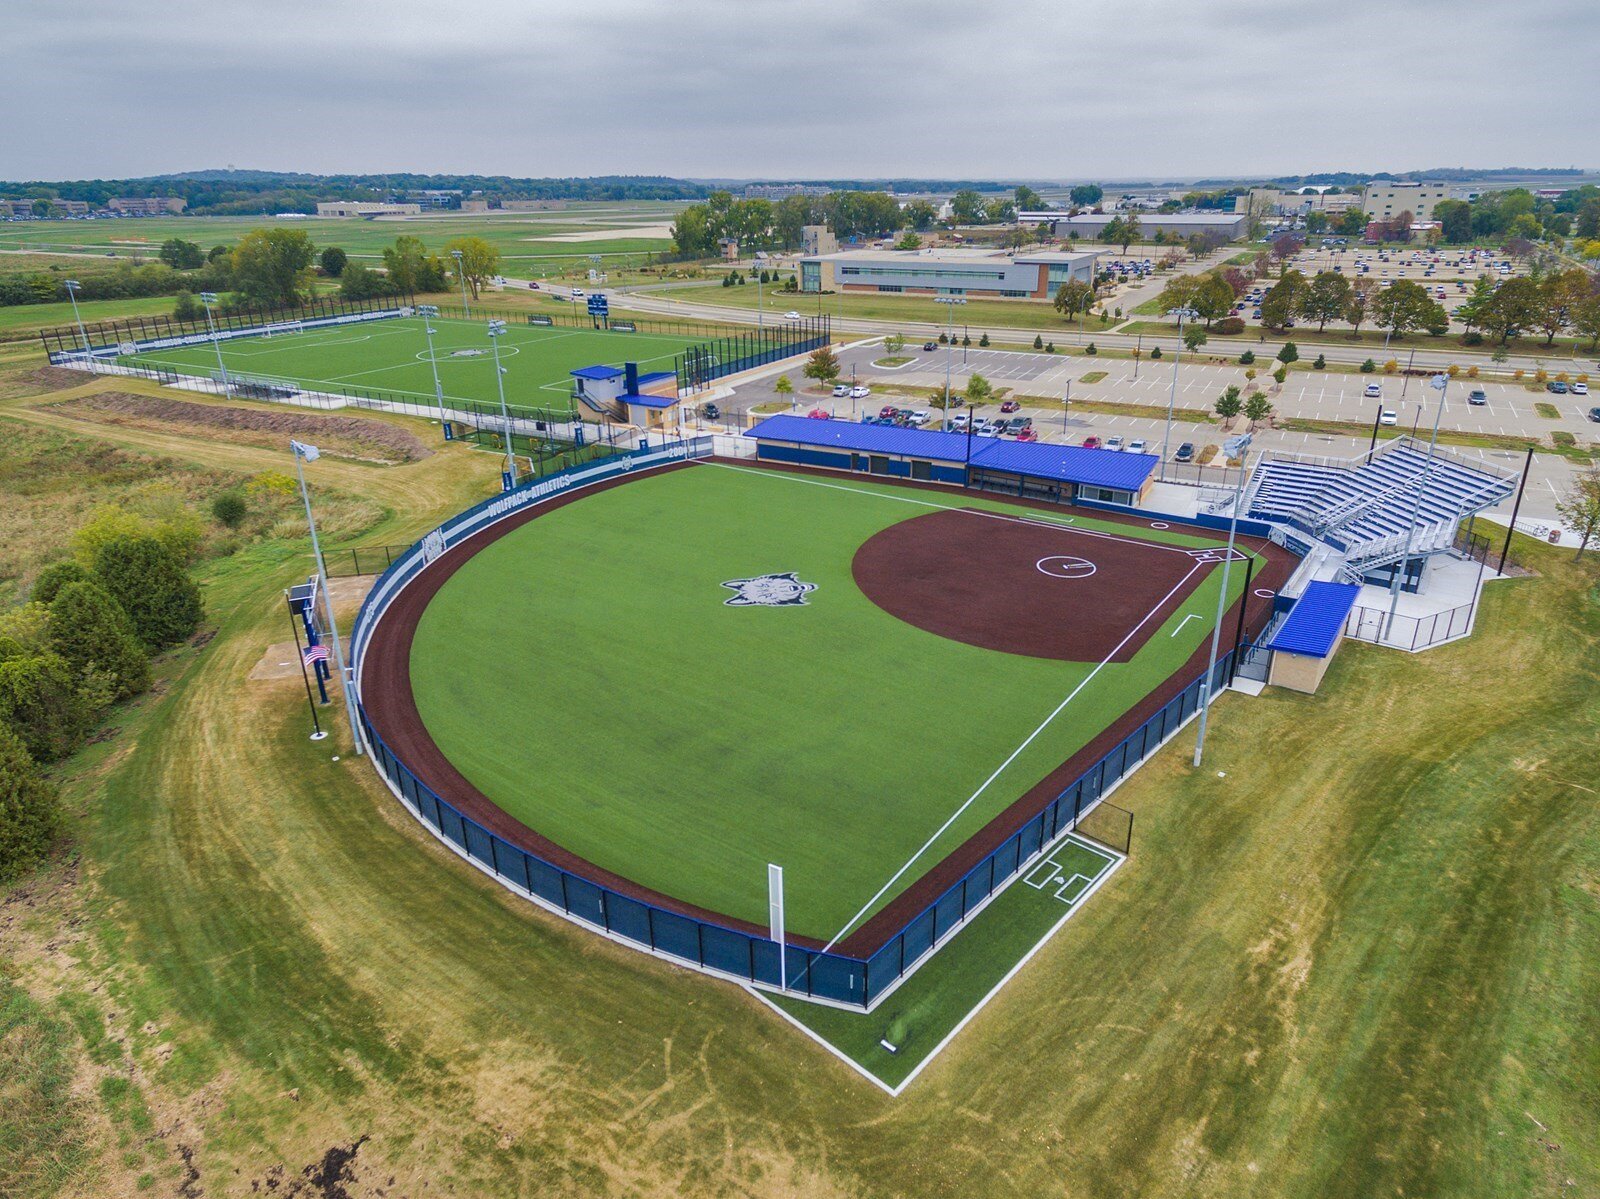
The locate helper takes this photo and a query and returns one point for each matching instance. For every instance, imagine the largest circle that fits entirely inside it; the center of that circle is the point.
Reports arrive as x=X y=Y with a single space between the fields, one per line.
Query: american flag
x=314 y=653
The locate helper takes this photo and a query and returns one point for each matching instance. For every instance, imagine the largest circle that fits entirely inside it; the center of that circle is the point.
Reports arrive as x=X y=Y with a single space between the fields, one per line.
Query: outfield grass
x=591 y=682
x=1361 y=963
x=392 y=355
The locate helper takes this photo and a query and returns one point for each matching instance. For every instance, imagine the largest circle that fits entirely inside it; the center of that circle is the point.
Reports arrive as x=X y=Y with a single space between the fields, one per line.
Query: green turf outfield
x=586 y=675
x=392 y=355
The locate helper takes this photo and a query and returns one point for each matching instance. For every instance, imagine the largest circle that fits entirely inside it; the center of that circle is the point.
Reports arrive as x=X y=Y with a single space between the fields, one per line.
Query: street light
x=1441 y=384
x=497 y=330
x=1233 y=447
x=429 y=311
x=758 y=259
x=1172 y=396
x=950 y=344
x=72 y=286
x=310 y=453
x=208 y=298
x=461 y=277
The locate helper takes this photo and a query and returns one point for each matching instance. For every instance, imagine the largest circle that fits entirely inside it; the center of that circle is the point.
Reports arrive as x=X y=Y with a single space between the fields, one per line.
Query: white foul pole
x=775 y=919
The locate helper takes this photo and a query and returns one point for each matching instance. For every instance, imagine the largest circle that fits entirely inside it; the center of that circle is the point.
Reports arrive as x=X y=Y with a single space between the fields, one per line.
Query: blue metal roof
x=1042 y=460
x=1316 y=620
x=649 y=401
x=597 y=372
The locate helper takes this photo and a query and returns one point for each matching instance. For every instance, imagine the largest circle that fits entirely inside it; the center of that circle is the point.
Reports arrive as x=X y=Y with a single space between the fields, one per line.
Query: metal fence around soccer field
x=829 y=977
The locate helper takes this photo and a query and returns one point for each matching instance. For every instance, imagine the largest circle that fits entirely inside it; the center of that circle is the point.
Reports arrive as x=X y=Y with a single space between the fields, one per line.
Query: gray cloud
x=781 y=88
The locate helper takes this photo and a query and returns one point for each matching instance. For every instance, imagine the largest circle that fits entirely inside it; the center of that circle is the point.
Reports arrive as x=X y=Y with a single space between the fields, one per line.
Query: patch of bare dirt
x=345 y=436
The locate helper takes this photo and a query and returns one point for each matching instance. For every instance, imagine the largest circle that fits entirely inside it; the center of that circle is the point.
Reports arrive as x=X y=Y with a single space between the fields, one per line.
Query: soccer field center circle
x=665 y=681
x=464 y=354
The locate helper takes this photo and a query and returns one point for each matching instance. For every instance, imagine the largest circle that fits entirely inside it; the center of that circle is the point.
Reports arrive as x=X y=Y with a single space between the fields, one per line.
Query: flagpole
x=311 y=703
x=327 y=598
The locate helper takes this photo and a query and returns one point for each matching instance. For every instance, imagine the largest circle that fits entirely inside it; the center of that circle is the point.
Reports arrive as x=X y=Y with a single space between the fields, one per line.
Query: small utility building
x=1304 y=645
x=621 y=395
x=1033 y=470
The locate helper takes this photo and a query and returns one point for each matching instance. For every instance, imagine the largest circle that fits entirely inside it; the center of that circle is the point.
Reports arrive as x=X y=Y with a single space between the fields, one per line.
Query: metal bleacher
x=1362 y=507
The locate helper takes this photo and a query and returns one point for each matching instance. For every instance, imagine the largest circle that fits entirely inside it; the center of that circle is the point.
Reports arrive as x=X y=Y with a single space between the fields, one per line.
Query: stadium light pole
x=461 y=277
x=429 y=311
x=309 y=453
x=1172 y=395
x=208 y=298
x=759 y=259
x=72 y=286
x=496 y=331
x=1441 y=384
x=1234 y=447
x=949 y=345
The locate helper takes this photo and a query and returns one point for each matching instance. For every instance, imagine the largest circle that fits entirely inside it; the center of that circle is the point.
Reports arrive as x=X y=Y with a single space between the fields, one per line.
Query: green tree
x=1193 y=338
x=1289 y=352
x=182 y=255
x=692 y=235
x=1028 y=200
x=1281 y=303
x=40 y=701
x=30 y=812
x=1213 y=298
x=479 y=261
x=148 y=580
x=332 y=261
x=1510 y=309
x=979 y=391
x=1086 y=195
x=1560 y=294
x=1229 y=405
x=358 y=282
x=1257 y=409
x=921 y=215
x=1074 y=297
x=966 y=207
x=1586 y=318
x=404 y=263
x=822 y=365
x=909 y=242
x=1404 y=306
x=999 y=210
x=90 y=631
x=783 y=387
x=1455 y=220
x=230 y=509
x=1579 y=506
x=272 y=267
x=1325 y=298
x=1359 y=305
x=49 y=581
x=894 y=343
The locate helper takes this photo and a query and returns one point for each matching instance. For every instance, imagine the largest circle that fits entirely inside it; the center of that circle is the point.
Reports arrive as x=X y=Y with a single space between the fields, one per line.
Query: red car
x=888 y=412
x=1091 y=442
x=1027 y=435
x=818 y=414
x=1010 y=406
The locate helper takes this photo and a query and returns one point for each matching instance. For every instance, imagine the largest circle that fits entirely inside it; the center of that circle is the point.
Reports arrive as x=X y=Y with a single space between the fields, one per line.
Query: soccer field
x=392 y=356
x=587 y=673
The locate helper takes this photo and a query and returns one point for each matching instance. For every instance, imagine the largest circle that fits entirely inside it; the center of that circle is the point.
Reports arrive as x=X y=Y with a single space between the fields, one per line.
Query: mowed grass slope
x=586 y=674
x=391 y=355
x=1363 y=963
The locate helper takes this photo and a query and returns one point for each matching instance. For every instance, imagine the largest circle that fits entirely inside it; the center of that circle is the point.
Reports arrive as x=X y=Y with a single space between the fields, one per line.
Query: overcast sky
x=1035 y=89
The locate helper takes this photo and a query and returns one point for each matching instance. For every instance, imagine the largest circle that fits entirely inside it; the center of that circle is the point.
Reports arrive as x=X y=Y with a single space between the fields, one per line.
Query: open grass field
x=392 y=355
x=1354 y=955
x=805 y=735
x=517 y=236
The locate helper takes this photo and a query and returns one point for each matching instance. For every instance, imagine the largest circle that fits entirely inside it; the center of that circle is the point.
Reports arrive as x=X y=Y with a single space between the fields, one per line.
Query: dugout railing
x=831 y=977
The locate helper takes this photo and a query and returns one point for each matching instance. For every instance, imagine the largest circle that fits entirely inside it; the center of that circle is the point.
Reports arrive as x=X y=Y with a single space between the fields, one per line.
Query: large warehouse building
x=1090 y=224
x=958 y=272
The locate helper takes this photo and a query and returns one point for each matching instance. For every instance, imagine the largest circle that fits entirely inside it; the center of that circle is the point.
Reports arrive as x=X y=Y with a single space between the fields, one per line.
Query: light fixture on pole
x=209 y=298
x=758 y=260
x=1441 y=384
x=1237 y=448
x=497 y=330
x=72 y=286
x=1172 y=396
x=428 y=312
x=304 y=453
x=461 y=277
x=950 y=344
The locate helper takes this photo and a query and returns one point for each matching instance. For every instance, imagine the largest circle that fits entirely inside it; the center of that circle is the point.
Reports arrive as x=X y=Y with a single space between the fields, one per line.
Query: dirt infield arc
x=1031 y=587
x=392 y=709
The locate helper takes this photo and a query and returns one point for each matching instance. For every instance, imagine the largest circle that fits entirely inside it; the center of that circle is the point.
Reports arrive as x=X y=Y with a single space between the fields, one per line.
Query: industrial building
x=349 y=208
x=951 y=272
x=1387 y=199
x=147 y=205
x=1182 y=224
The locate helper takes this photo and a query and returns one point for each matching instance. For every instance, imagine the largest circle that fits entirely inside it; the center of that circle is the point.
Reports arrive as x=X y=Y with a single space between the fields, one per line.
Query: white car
x=1374 y=391
x=1579 y=389
x=791 y=315
x=1112 y=443
x=577 y=293
x=841 y=390
x=919 y=416
x=860 y=391
x=1136 y=446
x=959 y=421
x=1388 y=417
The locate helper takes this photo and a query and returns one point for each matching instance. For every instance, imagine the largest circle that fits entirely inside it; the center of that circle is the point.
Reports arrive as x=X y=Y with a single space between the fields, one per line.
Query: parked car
x=1556 y=386
x=888 y=410
x=1027 y=435
x=928 y=346
x=860 y=391
x=1136 y=446
x=1580 y=389
x=791 y=315
x=919 y=416
x=1018 y=423
x=1114 y=442
x=841 y=390
x=1185 y=452
x=1009 y=406
x=710 y=411
x=1477 y=397
x=1092 y=442
x=1594 y=415
x=1374 y=391
x=959 y=421
x=818 y=414
x=1388 y=417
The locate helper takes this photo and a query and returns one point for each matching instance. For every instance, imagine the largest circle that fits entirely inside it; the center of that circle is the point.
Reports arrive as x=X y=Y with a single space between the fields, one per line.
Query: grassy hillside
x=1356 y=954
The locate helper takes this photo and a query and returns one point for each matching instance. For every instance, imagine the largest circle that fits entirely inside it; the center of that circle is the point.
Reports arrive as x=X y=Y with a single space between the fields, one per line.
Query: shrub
x=1090 y=349
x=56 y=576
x=30 y=813
x=1289 y=353
x=1280 y=374
x=230 y=509
x=1473 y=338
x=984 y=340
x=1368 y=367
x=1452 y=370
x=1472 y=372
x=1229 y=326
x=1049 y=347
x=1321 y=363
x=1038 y=341
x=40 y=701
x=149 y=581
x=1390 y=367
x=966 y=339
x=90 y=631
x=1155 y=351
x=943 y=340
x=1247 y=358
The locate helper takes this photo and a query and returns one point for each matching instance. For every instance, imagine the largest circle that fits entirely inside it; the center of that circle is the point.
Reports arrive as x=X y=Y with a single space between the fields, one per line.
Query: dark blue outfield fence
x=832 y=978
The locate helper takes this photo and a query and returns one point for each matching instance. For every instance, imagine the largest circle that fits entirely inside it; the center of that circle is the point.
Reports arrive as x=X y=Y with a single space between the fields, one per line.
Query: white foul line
x=1184 y=621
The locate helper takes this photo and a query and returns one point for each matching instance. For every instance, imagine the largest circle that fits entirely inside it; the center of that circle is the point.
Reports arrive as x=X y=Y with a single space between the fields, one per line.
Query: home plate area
x=1020 y=586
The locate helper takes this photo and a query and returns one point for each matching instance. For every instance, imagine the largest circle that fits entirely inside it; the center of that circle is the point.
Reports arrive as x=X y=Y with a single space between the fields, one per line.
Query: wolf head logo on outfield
x=769 y=591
